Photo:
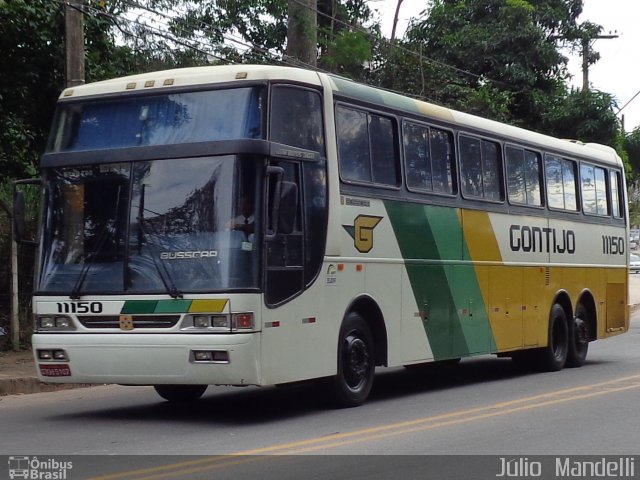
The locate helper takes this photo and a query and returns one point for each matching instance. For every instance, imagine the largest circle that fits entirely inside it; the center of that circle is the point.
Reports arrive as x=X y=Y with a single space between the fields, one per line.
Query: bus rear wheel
x=578 y=338
x=356 y=363
x=553 y=357
x=180 y=393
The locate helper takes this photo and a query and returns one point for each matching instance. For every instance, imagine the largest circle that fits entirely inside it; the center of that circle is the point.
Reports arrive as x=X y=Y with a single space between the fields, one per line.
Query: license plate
x=55 y=370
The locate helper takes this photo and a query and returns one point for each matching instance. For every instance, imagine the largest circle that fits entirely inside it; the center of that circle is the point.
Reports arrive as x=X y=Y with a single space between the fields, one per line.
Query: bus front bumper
x=148 y=359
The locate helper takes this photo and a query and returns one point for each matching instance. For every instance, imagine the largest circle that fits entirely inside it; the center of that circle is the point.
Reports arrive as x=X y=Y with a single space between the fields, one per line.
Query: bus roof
x=194 y=76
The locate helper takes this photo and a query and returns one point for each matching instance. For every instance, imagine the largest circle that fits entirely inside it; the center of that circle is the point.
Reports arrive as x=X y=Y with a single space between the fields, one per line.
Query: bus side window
x=491 y=170
x=570 y=190
x=561 y=183
x=353 y=144
x=523 y=176
x=555 y=190
x=367 y=147
x=516 y=184
x=417 y=156
x=615 y=194
x=442 y=156
x=302 y=106
x=384 y=158
x=532 y=175
x=470 y=166
x=602 y=203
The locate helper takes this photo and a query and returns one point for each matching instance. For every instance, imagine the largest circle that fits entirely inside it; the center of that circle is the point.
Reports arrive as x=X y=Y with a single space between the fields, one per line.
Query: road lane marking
x=382 y=431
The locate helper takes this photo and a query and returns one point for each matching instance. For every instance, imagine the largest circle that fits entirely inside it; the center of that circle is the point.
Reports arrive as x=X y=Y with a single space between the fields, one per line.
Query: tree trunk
x=302 y=42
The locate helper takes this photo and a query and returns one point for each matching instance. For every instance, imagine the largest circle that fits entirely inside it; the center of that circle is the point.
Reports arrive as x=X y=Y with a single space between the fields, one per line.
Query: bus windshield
x=161 y=119
x=180 y=225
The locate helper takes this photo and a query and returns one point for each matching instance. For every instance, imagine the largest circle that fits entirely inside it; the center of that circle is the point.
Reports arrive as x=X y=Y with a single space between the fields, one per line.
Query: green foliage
x=504 y=53
x=31 y=75
x=587 y=116
x=349 y=51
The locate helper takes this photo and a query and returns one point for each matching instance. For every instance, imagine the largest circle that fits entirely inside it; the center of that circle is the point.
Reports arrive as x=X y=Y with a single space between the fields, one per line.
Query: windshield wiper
x=167 y=281
x=88 y=262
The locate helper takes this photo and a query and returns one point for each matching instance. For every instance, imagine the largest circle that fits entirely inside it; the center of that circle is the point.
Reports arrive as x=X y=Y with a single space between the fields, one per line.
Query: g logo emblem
x=362 y=232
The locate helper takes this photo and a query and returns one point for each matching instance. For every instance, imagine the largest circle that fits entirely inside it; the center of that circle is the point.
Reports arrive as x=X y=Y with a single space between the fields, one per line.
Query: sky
x=618 y=70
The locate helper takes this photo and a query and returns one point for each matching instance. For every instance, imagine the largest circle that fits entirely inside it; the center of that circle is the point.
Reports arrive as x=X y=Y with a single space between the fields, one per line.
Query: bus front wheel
x=180 y=393
x=356 y=363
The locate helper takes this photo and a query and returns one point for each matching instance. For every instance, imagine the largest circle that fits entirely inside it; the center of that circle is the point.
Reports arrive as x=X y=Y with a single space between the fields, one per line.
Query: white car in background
x=634 y=263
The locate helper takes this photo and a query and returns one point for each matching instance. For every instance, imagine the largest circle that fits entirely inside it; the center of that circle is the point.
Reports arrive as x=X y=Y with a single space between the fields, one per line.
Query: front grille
x=139 y=321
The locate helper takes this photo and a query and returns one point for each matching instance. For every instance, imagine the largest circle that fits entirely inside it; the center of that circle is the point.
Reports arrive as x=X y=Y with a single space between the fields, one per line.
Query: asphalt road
x=484 y=406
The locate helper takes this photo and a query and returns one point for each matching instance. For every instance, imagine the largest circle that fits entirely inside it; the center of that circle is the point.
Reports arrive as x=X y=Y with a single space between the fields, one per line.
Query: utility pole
x=74 y=43
x=302 y=36
x=585 y=56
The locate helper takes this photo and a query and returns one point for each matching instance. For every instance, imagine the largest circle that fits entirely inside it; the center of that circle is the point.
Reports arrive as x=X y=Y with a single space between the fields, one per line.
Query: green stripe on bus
x=139 y=306
x=173 y=306
x=155 y=306
x=431 y=242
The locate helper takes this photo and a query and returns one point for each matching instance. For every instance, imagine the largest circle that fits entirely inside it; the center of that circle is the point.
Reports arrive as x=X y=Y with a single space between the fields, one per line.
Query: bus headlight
x=46 y=322
x=220 y=321
x=49 y=322
x=201 y=321
x=63 y=322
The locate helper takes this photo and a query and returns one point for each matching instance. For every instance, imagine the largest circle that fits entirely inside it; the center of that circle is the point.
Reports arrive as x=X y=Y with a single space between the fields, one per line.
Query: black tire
x=553 y=357
x=578 y=338
x=180 y=393
x=356 y=363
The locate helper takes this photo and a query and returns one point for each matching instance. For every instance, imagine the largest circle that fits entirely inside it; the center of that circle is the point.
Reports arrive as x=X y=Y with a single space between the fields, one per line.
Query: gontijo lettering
x=523 y=238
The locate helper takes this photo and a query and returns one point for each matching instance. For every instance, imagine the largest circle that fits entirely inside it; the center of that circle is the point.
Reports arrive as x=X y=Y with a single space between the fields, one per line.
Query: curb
x=23 y=385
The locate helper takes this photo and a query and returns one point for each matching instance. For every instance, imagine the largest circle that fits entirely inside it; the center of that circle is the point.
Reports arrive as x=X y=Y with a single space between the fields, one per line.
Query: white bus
x=260 y=225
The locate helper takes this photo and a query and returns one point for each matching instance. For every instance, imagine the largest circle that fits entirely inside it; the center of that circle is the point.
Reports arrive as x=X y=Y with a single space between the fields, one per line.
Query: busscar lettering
x=523 y=238
x=188 y=255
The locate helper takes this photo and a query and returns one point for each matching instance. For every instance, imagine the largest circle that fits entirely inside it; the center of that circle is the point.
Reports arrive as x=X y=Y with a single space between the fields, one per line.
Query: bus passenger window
x=532 y=170
x=561 y=183
x=555 y=191
x=367 y=147
x=602 y=204
x=480 y=162
x=441 y=160
x=416 y=156
x=615 y=194
x=569 y=179
x=353 y=144
x=491 y=170
x=428 y=155
x=516 y=184
x=470 y=166
x=587 y=177
x=594 y=190
x=523 y=176
x=384 y=164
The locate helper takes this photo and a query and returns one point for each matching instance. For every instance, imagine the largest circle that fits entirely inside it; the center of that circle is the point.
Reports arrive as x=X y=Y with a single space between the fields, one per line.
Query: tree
x=495 y=58
x=32 y=75
x=582 y=115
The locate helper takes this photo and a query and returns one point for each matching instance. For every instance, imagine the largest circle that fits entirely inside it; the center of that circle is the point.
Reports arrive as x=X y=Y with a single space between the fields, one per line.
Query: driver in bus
x=244 y=221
